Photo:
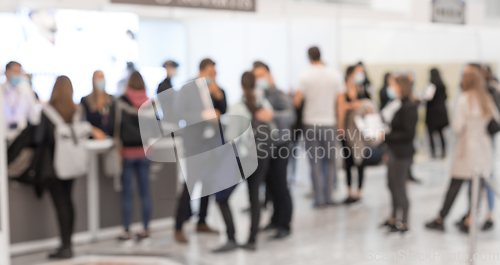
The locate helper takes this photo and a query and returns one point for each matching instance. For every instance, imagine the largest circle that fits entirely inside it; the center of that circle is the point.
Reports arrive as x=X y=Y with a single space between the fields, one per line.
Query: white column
x=4 y=206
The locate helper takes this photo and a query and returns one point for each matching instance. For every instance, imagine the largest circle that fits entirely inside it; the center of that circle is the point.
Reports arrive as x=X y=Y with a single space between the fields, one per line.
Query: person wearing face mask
x=171 y=68
x=98 y=103
x=20 y=104
x=276 y=180
x=218 y=97
x=400 y=149
x=361 y=80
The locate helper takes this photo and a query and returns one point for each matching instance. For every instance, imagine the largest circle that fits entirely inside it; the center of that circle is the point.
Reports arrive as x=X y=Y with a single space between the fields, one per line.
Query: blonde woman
x=474 y=151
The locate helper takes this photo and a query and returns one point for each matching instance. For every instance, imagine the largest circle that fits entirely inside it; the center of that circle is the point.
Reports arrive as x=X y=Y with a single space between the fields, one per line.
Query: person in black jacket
x=98 y=103
x=400 y=152
x=437 y=115
x=171 y=68
x=60 y=190
x=384 y=97
x=218 y=96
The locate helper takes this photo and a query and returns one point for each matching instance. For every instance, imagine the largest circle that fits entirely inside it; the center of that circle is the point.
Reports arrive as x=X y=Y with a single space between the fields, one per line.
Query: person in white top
x=20 y=104
x=319 y=87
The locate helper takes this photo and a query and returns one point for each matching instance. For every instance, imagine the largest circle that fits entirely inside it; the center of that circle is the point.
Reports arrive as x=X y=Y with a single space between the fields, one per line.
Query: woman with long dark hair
x=436 y=117
x=260 y=112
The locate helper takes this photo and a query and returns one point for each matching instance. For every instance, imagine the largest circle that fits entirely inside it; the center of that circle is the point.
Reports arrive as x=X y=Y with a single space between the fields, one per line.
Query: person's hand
x=98 y=134
x=381 y=135
x=215 y=90
x=264 y=115
x=209 y=114
x=354 y=105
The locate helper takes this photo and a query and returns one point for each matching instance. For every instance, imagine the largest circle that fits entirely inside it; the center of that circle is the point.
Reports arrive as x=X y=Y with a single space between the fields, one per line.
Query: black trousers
x=277 y=186
x=398 y=172
x=452 y=193
x=431 y=140
x=184 y=209
x=61 y=193
x=349 y=163
x=253 y=183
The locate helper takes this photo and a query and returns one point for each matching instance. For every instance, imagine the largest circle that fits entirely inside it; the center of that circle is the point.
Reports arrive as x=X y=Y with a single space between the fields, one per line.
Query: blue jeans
x=491 y=196
x=141 y=168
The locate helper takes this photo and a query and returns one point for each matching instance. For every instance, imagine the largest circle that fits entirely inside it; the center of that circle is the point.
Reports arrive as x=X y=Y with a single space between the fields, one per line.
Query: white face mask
x=359 y=78
x=262 y=83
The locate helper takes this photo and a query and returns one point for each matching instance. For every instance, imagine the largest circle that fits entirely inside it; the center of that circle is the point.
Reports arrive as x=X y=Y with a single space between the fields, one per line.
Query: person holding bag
x=475 y=113
x=62 y=116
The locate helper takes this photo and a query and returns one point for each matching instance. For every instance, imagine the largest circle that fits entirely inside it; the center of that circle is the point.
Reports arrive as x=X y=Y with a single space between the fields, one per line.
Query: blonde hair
x=473 y=82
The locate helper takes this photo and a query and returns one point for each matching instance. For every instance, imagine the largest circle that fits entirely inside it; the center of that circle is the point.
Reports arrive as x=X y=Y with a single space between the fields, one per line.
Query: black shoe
x=393 y=229
x=250 y=246
x=62 y=253
x=386 y=224
x=269 y=227
x=488 y=225
x=463 y=228
x=282 y=233
x=229 y=246
x=461 y=222
x=414 y=180
x=142 y=236
x=349 y=200
x=435 y=226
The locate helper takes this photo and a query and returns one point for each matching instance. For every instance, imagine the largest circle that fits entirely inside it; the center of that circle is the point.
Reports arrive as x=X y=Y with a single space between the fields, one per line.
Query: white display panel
x=49 y=43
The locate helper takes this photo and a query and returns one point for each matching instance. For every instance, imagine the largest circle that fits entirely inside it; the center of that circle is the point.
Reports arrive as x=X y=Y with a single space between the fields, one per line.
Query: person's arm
x=458 y=123
x=110 y=130
x=266 y=113
x=407 y=133
x=287 y=115
x=341 y=112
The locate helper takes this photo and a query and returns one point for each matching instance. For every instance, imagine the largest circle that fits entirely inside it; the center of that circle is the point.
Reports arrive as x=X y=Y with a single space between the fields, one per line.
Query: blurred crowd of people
x=328 y=109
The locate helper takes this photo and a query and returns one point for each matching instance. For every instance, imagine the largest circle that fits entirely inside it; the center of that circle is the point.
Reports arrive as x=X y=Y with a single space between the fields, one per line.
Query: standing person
x=384 y=96
x=20 y=101
x=260 y=112
x=98 y=103
x=473 y=153
x=494 y=89
x=218 y=97
x=134 y=158
x=320 y=86
x=61 y=190
x=276 y=180
x=171 y=68
x=400 y=151
x=436 y=117
x=349 y=104
x=362 y=81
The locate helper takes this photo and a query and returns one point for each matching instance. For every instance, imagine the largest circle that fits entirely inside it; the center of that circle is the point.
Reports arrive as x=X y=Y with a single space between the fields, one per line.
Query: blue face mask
x=391 y=94
x=15 y=80
x=262 y=83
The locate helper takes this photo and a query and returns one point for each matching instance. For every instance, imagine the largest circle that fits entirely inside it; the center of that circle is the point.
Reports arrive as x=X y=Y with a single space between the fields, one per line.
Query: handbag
x=112 y=158
x=493 y=127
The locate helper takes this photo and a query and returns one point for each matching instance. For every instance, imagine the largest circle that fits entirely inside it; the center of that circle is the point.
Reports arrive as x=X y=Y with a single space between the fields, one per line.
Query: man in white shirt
x=319 y=87
x=20 y=104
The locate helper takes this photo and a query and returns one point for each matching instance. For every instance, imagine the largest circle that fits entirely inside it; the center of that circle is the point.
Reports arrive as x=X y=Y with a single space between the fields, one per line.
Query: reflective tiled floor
x=335 y=235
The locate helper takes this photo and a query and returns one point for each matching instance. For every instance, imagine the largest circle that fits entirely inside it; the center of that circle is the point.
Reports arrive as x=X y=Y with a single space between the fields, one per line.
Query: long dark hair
x=386 y=80
x=62 y=98
x=248 y=84
x=136 y=82
x=436 y=78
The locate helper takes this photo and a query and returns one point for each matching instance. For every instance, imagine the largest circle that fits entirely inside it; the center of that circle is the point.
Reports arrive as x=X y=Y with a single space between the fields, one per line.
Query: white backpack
x=70 y=154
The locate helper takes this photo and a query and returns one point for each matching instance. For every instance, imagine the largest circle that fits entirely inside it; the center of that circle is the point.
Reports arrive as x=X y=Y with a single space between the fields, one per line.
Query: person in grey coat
x=276 y=180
